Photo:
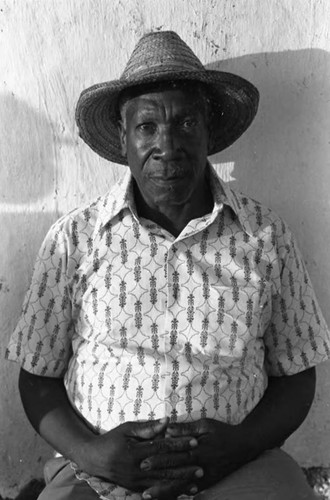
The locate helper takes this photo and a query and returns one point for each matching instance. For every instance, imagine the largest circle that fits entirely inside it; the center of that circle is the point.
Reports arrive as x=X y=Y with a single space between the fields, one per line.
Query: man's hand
x=118 y=454
x=220 y=451
x=222 y=448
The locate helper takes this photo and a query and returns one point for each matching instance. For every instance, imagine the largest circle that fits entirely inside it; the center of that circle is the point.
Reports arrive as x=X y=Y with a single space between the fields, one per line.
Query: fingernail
x=199 y=473
x=193 y=443
x=146 y=496
x=193 y=490
x=145 y=466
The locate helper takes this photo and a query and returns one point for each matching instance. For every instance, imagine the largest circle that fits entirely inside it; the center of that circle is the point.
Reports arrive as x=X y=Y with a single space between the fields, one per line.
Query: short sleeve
x=297 y=337
x=41 y=342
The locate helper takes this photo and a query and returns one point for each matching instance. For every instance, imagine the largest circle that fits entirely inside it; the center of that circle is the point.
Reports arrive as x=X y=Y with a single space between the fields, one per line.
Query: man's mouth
x=167 y=178
x=167 y=175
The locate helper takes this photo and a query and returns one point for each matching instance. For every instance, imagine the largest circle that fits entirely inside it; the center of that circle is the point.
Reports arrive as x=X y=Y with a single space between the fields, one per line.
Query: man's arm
x=281 y=411
x=115 y=455
x=223 y=448
x=48 y=409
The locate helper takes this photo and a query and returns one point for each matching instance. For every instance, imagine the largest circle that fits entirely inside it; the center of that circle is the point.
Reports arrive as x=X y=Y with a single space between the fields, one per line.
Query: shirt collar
x=224 y=195
x=122 y=197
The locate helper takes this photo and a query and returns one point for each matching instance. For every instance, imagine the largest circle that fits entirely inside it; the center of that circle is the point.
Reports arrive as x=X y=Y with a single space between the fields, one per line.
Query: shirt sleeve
x=41 y=342
x=297 y=337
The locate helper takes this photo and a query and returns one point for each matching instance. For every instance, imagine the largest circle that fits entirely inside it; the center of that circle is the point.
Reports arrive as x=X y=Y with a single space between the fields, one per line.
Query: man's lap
x=273 y=476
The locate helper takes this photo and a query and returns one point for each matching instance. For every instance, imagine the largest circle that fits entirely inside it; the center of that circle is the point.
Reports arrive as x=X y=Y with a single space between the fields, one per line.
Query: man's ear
x=122 y=137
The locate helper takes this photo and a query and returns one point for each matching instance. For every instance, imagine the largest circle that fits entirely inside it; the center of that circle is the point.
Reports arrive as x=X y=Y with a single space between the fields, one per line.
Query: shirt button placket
x=172 y=297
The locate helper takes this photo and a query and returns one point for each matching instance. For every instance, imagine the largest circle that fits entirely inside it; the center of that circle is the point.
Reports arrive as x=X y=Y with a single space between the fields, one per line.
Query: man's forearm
x=281 y=411
x=47 y=407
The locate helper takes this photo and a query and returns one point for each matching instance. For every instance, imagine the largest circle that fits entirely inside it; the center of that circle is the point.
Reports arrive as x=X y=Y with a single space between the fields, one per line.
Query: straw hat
x=164 y=56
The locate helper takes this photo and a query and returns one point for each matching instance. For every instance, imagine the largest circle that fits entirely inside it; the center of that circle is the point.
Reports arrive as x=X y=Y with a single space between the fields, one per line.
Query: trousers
x=274 y=475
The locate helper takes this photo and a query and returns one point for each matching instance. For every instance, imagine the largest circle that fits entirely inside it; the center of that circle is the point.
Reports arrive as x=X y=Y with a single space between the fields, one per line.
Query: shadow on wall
x=27 y=152
x=28 y=173
x=288 y=143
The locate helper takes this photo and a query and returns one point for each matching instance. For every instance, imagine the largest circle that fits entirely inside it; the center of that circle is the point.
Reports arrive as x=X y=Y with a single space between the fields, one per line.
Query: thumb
x=149 y=429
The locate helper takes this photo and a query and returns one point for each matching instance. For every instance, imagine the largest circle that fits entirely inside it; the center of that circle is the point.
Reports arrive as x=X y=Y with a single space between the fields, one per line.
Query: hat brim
x=234 y=104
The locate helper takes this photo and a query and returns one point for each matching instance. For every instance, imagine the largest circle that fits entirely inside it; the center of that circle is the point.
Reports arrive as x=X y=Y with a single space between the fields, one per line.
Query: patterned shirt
x=142 y=324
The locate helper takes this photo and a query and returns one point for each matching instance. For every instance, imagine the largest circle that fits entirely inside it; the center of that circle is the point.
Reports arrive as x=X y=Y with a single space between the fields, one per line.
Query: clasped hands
x=164 y=460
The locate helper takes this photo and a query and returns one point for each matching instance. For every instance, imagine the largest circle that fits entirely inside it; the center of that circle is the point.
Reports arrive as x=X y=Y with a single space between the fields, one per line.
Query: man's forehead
x=150 y=98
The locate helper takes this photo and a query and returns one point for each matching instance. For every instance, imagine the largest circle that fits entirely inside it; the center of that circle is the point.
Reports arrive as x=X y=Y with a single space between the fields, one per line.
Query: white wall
x=51 y=49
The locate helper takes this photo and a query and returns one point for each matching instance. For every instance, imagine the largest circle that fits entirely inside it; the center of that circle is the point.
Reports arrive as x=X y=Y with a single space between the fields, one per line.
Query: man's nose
x=166 y=144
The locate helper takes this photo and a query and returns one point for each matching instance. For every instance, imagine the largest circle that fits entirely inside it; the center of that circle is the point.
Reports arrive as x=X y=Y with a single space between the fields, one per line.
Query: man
x=169 y=339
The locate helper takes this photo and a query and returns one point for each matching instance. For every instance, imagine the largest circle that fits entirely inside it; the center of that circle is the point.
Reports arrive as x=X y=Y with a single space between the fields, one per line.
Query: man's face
x=164 y=135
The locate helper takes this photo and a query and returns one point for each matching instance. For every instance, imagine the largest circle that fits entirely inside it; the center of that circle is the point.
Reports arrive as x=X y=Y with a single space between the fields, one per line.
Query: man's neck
x=174 y=218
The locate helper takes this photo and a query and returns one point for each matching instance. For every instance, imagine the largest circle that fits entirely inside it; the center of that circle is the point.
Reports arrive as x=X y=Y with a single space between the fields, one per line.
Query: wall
x=51 y=49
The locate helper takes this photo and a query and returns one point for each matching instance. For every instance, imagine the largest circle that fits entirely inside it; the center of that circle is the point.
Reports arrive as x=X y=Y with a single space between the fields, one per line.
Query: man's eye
x=147 y=128
x=189 y=123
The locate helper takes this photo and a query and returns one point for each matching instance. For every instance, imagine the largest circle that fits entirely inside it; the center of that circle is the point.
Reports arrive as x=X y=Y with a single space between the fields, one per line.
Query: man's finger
x=187 y=473
x=146 y=430
x=186 y=429
x=165 y=446
x=170 y=460
x=169 y=490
